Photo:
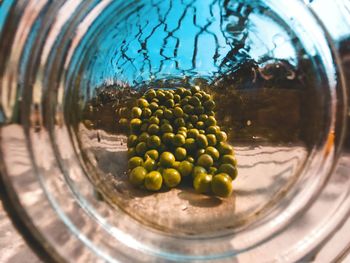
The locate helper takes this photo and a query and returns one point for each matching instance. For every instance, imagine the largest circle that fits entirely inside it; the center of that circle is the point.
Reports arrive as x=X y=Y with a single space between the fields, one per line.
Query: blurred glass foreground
x=278 y=72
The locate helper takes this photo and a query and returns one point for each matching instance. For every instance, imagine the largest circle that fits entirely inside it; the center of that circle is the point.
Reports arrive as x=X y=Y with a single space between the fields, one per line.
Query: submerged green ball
x=228 y=169
x=202 y=183
x=171 y=177
x=153 y=181
x=167 y=159
x=137 y=175
x=205 y=160
x=134 y=162
x=150 y=164
x=136 y=112
x=221 y=185
x=152 y=154
x=185 y=168
x=180 y=153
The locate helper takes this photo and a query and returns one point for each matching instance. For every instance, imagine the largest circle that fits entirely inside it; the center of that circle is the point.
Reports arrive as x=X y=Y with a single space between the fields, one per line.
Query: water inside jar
x=262 y=79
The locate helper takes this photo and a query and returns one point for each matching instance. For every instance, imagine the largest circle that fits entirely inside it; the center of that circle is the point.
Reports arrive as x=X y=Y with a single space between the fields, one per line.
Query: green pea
x=167 y=159
x=180 y=91
x=205 y=160
x=150 y=164
x=179 y=140
x=156 y=100
x=192 y=133
x=159 y=113
x=169 y=95
x=136 y=112
x=195 y=89
x=194 y=101
x=168 y=138
x=154 y=120
x=189 y=125
x=221 y=185
x=202 y=141
x=151 y=94
x=135 y=124
x=179 y=122
x=153 y=106
x=152 y=154
x=194 y=119
x=203 y=117
x=184 y=129
x=228 y=169
x=168 y=113
x=202 y=183
x=200 y=125
x=166 y=128
x=160 y=95
x=153 y=181
x=123 y=112
x=132 y=140
x=206 y=97
x=141 y=148
x=187 y=93
x=184 y=102
x=123 y=122
x=176 y=165
x=190 y=159
x=146 y=113
x=230 y=159
x=198 y=170
x=198 y=95
x=171 y=177
x=211 y=139
x=177 y=98
x=134 y=162
x=137 y=176
x=221 y=136
x=185 y=168
x=188 y=109
x=211 y=121
x=190 y=145
x=225 y=148
x=143 y=137
x=209 y=105
x=180 y=153
x=213 y=170
x=131 y=152
x=170 y=103
x=211 y=113
x=199 y=152
x=153 y=129
x=178 y=112
x=213 y=152
x=183 y=133
x=153 y=142
x=213 y=129
x=199 y=110
x=142 y=103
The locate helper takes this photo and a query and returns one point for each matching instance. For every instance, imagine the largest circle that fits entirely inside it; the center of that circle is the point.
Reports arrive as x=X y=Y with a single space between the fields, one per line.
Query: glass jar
x=277 y=70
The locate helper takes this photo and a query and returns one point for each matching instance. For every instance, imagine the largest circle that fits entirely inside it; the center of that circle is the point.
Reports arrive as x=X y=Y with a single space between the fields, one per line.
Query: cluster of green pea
x=174 y=135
